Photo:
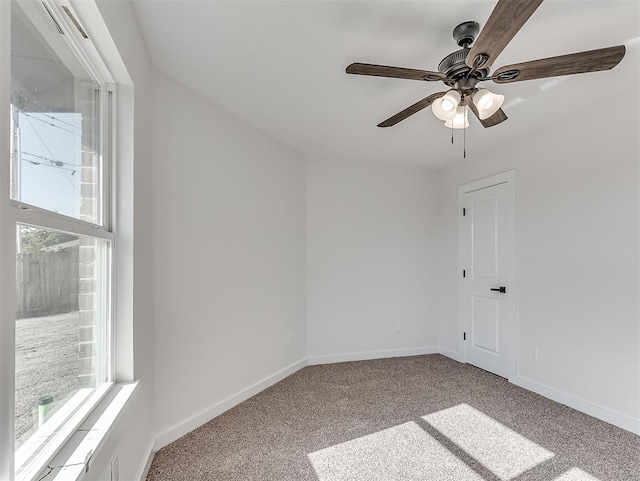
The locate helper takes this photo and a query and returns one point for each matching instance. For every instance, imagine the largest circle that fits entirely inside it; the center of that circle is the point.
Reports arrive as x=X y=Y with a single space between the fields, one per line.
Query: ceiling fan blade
x=495 y=119
x=394 y=72
x=417 y=107
x=507 y=18
x=581 y=62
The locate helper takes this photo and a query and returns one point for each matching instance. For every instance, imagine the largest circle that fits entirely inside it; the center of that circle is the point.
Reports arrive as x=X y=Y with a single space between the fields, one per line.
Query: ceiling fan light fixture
x=445 y=107
x=460 y=120
x=487 y=103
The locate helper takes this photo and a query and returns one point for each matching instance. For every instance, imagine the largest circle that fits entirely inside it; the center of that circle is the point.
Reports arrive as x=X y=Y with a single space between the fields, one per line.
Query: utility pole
x=16 y=153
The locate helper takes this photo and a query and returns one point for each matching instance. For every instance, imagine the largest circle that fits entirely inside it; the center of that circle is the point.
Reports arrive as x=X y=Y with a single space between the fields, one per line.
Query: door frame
x=508 y=177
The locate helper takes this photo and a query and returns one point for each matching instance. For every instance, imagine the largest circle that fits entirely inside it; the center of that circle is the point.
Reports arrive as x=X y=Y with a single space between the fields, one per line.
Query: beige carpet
x=414 y=418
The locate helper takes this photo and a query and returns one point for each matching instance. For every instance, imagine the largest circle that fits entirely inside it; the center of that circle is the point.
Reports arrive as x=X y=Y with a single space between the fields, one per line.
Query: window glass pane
x=54 y=119
x=62 y=351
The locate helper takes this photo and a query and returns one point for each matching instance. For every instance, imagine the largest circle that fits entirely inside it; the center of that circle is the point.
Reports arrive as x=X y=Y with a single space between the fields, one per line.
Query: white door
x=488 y=280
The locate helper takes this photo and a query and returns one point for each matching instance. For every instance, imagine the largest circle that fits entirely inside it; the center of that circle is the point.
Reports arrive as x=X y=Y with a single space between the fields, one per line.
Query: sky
x=50 y=151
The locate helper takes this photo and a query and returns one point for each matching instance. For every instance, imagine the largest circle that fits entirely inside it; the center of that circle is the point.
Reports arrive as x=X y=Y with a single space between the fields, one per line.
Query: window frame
x=85 y=53
x=14 y=212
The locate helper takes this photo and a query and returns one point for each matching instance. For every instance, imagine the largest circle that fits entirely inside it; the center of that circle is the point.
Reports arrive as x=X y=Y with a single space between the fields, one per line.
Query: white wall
x=229 y=256
x=241 y=244
x=371 y=248
x=577 y=264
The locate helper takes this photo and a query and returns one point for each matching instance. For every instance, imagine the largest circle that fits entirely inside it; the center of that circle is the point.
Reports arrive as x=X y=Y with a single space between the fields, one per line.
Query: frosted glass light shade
x=445 y=107
x=460 y=120
x=487 y=103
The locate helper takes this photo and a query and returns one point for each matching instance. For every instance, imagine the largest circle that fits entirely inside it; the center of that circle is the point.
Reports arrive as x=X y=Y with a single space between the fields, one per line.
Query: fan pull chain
x=451 y=133
x=464 y=135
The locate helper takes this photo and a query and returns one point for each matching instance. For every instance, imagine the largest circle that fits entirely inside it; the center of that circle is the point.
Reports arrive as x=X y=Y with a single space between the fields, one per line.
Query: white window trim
x=75 y=458
x=35 y=216
x=92 y=424
x=7 y=260
x=56 y=432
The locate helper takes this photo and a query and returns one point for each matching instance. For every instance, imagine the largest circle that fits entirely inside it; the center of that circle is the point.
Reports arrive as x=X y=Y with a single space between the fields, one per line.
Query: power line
x=53 y=156
x=57 y=162
x=50 y=124
x=59 y=120
x=33 y=162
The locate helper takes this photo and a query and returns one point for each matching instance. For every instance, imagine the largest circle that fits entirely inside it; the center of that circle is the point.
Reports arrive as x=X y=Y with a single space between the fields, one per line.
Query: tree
x=36 y=241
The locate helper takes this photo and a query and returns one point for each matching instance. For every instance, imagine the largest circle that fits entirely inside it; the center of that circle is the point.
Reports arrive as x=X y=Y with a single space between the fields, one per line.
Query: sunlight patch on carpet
x=576 y=474
x=401 y=452
x=501 y=450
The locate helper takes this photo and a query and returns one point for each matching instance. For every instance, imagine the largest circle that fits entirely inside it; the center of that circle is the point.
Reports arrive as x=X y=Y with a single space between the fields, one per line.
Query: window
x=59 y=199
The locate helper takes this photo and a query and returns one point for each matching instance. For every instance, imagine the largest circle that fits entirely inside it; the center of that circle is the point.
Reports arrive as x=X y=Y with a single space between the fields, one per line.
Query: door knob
x=501 y=289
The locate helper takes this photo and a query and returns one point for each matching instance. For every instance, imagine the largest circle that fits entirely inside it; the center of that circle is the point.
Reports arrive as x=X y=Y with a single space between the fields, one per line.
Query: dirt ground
x=46 y=365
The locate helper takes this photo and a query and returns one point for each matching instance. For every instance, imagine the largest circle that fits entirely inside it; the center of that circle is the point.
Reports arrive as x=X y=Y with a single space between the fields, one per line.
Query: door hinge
x=464 y=273
x=464 y=211
x=464 y=336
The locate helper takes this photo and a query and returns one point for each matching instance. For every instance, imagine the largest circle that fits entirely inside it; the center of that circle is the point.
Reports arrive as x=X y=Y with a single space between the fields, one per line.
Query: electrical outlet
x=397 y=327
x=534 y=353
x=115 y=468
x=290 y=339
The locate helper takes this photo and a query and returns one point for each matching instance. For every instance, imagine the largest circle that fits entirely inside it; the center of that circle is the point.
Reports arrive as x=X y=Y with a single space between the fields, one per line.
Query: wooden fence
x=47 y=283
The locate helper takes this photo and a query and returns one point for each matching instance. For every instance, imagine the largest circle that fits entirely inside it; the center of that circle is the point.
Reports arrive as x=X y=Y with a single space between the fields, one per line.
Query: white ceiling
x=280 y=65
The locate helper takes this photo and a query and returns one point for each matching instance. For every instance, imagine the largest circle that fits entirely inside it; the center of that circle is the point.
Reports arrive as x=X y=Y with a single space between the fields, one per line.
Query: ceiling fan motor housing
x=454 y=66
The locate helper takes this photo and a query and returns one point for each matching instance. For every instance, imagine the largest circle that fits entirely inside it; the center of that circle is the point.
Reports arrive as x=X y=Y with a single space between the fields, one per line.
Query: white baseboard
x=144 y=469
x=179 y=430
x=605 y=414
x=456 y=356
x=625 y=422
x=368 y=355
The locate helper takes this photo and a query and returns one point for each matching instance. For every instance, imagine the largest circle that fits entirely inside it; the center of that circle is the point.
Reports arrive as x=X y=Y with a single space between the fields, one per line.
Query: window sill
x=42 y=446
x=73 y=460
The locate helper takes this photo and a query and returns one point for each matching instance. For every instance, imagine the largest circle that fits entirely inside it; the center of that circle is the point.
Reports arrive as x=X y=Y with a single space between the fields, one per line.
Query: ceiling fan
x=465 y=68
